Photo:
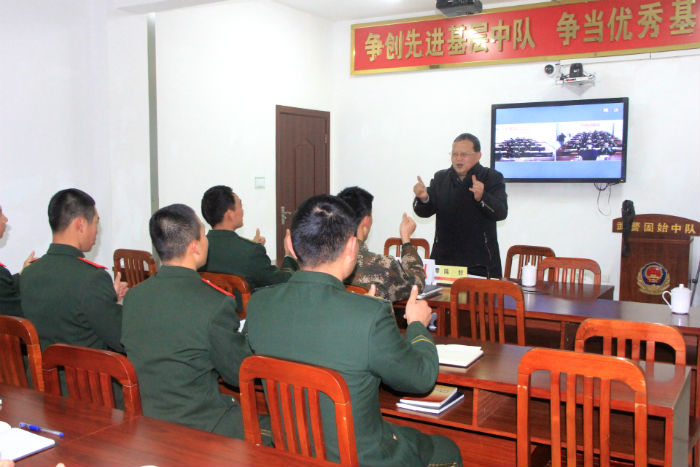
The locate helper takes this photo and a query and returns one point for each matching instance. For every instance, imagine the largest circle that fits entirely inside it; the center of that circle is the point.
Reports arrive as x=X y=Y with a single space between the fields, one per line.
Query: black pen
x=40 y=429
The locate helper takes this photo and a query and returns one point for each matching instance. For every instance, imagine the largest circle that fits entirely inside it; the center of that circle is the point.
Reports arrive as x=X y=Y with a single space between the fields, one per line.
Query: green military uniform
x=9 y=293
x=180 y=333
x=71 y=300
x=313 y=319
x=230 y=253
x=394 y=280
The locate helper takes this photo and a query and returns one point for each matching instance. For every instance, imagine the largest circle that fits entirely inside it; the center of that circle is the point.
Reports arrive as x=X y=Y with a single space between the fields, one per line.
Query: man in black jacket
x=468 y=200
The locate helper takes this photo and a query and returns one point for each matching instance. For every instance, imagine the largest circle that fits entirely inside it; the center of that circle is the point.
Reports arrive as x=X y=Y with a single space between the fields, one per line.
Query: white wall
x=127 y=139
x=53 y=122
x=388 y=128
x=222 y=68
x=75 y=114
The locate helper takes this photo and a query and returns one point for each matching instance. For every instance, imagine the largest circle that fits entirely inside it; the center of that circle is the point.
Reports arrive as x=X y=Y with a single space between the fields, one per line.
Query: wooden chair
x=231 y=283
x=632 y=334
x=89 y=374
x=567 y=270
x=356 y=289
x=485 y=305
x=602 y=368
x=526 y=255
x=13 y=333
x=297 y=386
x=396 y=243
x=135 y=266
x=570 y=272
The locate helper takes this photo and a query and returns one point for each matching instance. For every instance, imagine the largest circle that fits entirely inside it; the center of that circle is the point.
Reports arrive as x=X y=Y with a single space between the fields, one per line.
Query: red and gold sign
x=543 y=31
x=676 y=228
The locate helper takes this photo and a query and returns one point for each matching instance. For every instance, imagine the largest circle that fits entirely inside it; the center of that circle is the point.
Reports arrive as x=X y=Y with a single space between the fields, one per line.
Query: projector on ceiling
x=459 y=7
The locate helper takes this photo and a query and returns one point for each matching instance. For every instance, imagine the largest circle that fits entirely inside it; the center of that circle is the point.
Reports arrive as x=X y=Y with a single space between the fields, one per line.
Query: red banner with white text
x=543 y=31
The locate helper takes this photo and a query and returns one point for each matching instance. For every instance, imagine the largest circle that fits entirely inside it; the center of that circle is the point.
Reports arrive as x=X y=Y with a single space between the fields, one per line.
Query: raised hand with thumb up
x=417 y=310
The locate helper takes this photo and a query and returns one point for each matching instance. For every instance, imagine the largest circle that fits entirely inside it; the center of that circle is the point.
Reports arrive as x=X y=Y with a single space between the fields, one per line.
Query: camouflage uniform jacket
x=394 y=280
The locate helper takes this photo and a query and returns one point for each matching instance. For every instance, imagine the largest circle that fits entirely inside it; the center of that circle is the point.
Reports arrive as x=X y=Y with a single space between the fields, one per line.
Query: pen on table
x=40 y=429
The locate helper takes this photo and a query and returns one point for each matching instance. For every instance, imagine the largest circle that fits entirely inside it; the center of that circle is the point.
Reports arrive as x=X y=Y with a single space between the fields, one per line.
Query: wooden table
x=97 y=436
x=489 y=406
x=567 y=306
x=543 y=291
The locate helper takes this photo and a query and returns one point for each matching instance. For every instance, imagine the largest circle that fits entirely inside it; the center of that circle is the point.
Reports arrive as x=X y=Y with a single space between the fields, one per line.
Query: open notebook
x=458 y=355
x=16 y=443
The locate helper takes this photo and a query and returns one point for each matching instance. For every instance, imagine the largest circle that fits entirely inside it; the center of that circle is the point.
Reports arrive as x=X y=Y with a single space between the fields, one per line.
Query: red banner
x=543 y=31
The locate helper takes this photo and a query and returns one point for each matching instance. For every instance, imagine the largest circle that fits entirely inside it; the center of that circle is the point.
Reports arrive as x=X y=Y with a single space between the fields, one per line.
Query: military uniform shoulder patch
x=217 y=288
x=91 y=263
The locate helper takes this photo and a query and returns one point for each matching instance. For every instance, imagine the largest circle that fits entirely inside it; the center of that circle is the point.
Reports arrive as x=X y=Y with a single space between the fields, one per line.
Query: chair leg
x=562 y=332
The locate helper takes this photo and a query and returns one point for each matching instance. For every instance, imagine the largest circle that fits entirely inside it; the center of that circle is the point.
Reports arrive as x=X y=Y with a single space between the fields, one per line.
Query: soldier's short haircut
x=359 y=200
x=215 y=202
x=172 y=228
x=470 y=137
x=68 y=204
x=321 y=226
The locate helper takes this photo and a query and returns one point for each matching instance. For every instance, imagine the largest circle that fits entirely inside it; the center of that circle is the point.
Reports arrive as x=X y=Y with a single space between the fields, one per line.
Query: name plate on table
x=446 y=275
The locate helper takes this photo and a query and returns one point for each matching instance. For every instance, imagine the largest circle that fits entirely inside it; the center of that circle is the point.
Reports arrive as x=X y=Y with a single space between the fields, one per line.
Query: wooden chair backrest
x=356 y=289
x=298 y=387
x=526 y=254
x=89 y=374
x=567 y=270
x=395 y=242
x=634 y=333
x=14 y=332
x=603 y=368
x=485 y=305
x=135 y=266
x=231 y=283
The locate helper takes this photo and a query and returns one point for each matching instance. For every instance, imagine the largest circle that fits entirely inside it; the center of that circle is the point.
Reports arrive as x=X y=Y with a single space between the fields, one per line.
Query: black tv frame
x=625 y=119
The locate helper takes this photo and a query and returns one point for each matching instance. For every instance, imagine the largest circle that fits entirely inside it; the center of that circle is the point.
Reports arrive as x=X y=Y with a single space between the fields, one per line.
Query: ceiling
x=334 y=10
x=337 y=10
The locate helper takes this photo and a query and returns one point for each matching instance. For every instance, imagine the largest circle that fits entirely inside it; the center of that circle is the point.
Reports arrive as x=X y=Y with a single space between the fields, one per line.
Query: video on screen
x=560 y=141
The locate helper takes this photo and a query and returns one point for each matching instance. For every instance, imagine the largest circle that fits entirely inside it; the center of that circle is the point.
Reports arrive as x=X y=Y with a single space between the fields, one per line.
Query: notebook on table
x=458 y=355
x=16 y=443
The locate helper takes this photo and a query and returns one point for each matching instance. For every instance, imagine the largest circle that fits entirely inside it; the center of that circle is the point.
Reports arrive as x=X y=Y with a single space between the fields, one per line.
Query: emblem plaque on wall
x=653 y=279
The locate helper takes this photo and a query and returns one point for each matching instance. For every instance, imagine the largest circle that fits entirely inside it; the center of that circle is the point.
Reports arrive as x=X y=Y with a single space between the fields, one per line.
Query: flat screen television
x=561 y=141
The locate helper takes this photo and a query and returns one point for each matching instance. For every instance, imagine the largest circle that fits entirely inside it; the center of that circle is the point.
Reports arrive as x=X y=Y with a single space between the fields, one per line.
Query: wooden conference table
x=545 y=295
x=489 y=408
x=562 y=304
x=97 y=436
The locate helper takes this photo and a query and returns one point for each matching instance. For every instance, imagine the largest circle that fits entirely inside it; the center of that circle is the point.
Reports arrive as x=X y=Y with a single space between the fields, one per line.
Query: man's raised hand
x=419 y=190
x=417 y=310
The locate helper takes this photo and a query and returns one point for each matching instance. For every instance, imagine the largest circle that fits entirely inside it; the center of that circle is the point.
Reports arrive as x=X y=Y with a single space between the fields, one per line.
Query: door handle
x=284 y=214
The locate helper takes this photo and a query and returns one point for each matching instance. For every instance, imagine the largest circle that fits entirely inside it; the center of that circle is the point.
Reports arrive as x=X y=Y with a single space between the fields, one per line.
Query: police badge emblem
x=653 y=279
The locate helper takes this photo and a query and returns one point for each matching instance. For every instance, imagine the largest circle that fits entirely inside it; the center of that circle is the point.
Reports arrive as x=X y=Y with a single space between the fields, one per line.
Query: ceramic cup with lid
x=680 y=299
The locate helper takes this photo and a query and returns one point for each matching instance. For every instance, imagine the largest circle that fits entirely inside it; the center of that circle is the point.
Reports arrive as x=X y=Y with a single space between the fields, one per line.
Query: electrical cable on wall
x=601 y=187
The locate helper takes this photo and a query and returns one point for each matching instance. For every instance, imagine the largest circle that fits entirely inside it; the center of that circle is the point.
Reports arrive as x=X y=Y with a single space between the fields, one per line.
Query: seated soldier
x=180 y=332
x=10 y=303
x=231 y=254
x=394 y=280
x=313 y=319
x=68 y=298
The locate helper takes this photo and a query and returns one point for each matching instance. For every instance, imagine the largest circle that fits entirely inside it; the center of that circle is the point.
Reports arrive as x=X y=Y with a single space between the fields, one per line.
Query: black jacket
x=465 y=230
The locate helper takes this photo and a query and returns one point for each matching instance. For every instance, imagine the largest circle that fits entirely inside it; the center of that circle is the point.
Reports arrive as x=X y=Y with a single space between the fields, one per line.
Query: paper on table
x=16 y=443
x=458 y=355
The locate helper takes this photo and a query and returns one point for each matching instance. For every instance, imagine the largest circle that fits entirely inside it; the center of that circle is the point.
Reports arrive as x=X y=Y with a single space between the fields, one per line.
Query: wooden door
x=303 y=161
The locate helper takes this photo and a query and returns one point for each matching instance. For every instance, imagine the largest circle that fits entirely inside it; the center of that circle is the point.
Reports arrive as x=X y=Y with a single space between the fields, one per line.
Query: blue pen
x=40 y=429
